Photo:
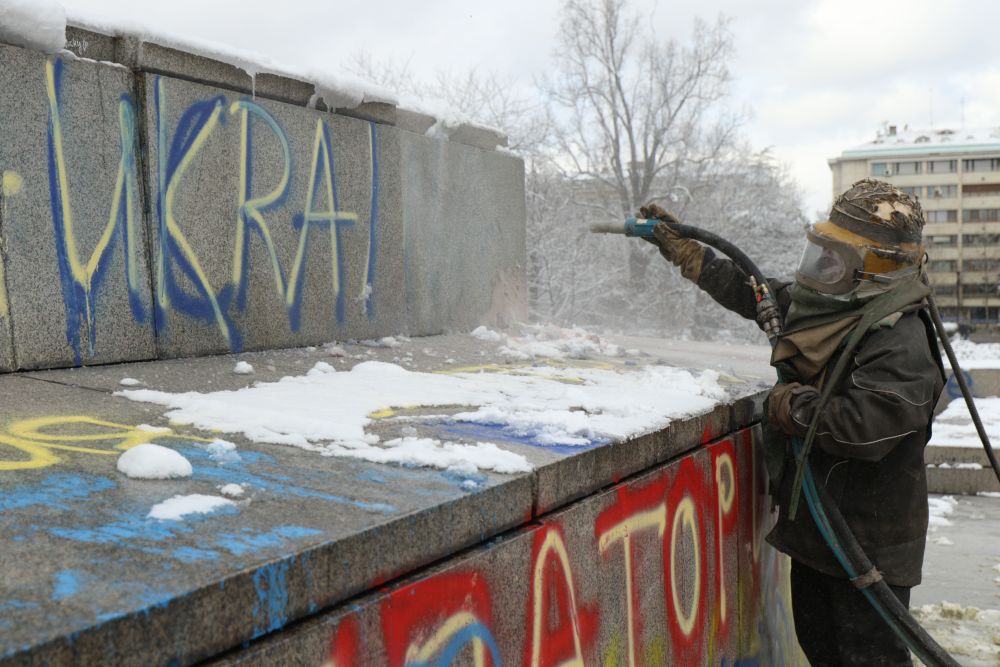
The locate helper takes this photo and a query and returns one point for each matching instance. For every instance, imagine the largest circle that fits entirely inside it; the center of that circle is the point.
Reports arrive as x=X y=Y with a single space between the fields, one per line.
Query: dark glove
x=785 y=407
x=684 y=253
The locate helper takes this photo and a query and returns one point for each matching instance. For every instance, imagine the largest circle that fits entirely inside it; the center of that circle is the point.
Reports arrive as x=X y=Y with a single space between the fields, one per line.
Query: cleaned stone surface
x=73 y=296
x=464 y=215
x=256 y=277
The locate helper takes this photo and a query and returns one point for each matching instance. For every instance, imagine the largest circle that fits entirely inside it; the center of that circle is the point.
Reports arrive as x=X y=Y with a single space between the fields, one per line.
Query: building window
x=942 y=241
x=980 y=289
x=980 y=264
x=981 y=215
x=942 y=216
x=944 y=290
x=942 y=166
x=980 y=239
x=942 y=191
x=880 y=169
x=941 y=265
x=913 y=190
x=981 y=164
x=981 y=190
x=906 y=168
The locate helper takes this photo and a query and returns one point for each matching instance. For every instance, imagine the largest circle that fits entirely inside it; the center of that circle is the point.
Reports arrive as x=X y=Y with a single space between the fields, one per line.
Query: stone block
x=272 y=225
x=379 y=112
x=90 y=44
x=464 y=220
x=75 y=252
x=474 y=135
x=283 y=88
x=414 y=121
x=146 y=56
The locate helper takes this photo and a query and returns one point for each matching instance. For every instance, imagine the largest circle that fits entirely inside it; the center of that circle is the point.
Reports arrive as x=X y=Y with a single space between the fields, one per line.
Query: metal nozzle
x=608 y=228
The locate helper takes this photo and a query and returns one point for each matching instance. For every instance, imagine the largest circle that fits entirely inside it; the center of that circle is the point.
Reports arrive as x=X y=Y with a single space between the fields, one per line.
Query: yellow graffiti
x=124 y=195
x=170 y=222
x=12 y=183
x=252 y=208
x=654 y=518
x=685 y=513
x=422 y=654
x=321 y=151
x=40 y=438
x=553 y=542
x=726 y=495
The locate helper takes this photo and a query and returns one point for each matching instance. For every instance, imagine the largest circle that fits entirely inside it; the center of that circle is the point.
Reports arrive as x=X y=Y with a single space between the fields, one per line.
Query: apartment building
x=956 y=176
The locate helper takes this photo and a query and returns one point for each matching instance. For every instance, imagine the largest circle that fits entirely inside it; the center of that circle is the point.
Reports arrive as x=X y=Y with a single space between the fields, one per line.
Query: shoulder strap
x=900 y=297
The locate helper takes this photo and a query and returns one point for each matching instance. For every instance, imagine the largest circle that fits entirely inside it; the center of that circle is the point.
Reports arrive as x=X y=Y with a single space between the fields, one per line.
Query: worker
x=870 y=437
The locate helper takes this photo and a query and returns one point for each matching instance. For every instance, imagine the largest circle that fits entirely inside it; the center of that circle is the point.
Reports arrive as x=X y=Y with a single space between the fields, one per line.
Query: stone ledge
x=479 y=137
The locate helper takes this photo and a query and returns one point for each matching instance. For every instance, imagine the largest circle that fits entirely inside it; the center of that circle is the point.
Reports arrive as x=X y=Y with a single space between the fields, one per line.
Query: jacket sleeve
x=725 y=282
x=887 y=393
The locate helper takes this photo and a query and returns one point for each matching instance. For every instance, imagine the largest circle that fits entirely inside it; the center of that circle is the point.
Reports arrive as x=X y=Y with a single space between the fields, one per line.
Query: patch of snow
x=222 y=451
x=976 y=355
x=177 y=507
x=432 y=453
x=969 y=634
x=988 y=494
x=328 y=411
x=231 y=490
x=387 y=341
x=151 y=461
x=483 y=333
x=33 y=24
x=551 y=342
x=334 y=350
x=940 y=507
x=320 y=368
x=943 y=541
x=335 y=88
x=242 y=368
x=954 y=427
x=129 y=382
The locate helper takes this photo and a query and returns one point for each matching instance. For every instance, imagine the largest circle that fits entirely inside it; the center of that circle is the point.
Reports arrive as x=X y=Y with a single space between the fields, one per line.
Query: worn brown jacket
x=869 y=449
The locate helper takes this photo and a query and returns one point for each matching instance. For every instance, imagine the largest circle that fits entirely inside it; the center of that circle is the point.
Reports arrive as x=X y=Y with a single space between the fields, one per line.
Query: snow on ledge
x=337 y=91
x=33 y=24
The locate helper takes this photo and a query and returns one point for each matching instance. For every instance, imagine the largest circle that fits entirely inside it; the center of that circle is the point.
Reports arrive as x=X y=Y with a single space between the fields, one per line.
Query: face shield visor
x=828 y=266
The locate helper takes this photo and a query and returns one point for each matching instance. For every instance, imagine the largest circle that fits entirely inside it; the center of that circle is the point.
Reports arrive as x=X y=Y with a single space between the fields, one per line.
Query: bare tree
x=635 y=114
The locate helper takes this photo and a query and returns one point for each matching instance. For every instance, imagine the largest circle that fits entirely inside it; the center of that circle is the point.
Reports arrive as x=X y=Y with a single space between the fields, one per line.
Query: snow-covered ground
x=954 y=427
x=976 y=355
x=546 y=402
x=959 y=598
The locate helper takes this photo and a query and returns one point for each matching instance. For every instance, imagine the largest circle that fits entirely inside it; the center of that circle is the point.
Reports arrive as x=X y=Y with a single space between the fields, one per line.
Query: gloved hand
x=787 y=401
x=684 y=253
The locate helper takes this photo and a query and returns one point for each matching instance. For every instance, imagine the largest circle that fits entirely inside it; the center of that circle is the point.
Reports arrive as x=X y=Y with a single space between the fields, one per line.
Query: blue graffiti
x=471 y=632
x=271 y=609
x=81 y=281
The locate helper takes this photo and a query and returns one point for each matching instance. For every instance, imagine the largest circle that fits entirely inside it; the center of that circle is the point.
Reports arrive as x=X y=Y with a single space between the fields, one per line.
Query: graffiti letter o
x=685 y=512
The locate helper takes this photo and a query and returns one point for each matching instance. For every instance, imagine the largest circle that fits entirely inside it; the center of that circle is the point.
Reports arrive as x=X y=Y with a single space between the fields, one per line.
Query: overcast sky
x=818 y=76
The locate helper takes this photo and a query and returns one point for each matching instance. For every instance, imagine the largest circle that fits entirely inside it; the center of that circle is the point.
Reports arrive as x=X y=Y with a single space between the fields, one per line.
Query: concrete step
x=959 y=470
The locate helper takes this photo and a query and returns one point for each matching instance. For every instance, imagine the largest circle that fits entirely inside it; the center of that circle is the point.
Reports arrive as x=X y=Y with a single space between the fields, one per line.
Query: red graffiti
x=421 y=619
x=701 y=518
x=559 y=629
